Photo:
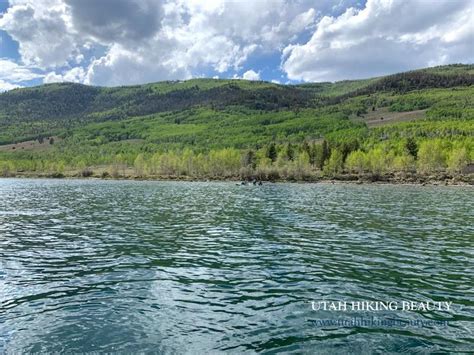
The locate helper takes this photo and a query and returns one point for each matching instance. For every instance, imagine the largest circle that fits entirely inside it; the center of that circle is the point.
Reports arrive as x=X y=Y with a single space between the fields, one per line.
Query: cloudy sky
x=121 y=42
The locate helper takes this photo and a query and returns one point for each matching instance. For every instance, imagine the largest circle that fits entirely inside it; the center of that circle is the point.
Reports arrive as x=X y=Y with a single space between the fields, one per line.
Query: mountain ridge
x=250 y=125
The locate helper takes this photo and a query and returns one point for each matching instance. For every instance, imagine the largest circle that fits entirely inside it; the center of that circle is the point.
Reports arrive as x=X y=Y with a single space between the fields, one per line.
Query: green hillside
x=210 y=128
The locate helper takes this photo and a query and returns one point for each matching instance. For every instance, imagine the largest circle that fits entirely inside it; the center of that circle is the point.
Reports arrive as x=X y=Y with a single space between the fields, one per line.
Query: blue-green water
x=174 y=267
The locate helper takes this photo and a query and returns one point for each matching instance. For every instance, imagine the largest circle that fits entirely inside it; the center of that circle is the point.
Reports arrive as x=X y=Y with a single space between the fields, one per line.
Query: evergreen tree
x=272 y=152
x=326 y=152
x=411 y=147
x=290 y=152
x=250 y=159
x=309 y=150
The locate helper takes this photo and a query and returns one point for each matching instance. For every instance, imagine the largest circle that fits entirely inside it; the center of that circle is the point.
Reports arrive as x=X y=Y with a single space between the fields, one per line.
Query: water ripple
x=174 y=267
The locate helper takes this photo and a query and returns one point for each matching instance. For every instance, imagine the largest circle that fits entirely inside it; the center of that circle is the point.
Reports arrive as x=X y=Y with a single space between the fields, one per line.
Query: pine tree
x=250 y=159
x=272 y=152
x=290 y=152
x=411 y=147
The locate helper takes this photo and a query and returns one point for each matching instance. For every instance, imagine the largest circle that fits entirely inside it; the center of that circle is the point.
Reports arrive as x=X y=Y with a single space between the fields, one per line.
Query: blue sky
x=122 y=42
x=8 y=47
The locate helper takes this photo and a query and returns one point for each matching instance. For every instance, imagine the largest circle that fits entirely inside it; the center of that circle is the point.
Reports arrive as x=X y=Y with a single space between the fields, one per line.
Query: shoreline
x=416 y=180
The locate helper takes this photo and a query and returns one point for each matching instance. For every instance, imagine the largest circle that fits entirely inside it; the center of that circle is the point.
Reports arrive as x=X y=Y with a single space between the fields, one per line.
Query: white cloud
x=119 y=42
x=13 y=72
x=149 y=40
x=5 y=86
x=42 y=30
x=74 y=75
x=386 y=36
x=153 y=62
x=251 y=75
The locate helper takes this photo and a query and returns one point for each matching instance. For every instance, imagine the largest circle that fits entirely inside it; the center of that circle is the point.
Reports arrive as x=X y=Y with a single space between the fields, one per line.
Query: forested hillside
x=417 y=123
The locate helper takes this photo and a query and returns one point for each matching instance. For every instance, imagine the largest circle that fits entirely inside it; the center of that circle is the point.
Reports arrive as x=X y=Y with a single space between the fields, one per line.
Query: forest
x=415 y=126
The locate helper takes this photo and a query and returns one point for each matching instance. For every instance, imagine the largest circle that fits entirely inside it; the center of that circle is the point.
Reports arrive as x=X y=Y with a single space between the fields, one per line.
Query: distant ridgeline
x=403 y=126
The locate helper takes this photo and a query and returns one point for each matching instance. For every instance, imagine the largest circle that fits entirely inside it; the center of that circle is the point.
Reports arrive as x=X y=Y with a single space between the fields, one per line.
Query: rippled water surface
x=176 y=267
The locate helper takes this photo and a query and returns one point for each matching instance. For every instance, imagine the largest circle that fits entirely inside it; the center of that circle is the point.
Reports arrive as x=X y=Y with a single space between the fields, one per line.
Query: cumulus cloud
x=123 y=67
x=121 y=42
x=12 y=75
x=251 y=75
x=42 y=31
x=5 y=86
x=386 y=36
x=197 y=35
x=74 y=75
x=117 y=21
x=148 y=40
x=13 y=72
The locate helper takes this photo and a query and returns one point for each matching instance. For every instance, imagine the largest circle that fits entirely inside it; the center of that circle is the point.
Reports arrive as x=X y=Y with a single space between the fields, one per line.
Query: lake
x=196 y=267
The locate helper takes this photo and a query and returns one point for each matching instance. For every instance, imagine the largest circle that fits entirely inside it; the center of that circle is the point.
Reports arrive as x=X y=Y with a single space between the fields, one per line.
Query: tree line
x=306 y=161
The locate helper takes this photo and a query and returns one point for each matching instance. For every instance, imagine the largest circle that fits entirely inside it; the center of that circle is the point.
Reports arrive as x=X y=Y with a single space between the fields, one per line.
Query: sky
x=127 y=42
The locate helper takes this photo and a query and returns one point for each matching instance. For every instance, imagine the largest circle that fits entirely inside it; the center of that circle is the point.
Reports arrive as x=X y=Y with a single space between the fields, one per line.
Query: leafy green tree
x=225 y=162
x=301 y=166
x=155 y=163
x=458 y=160
x=321 y=154
x=404 y=163
x=188 y=163
x=431 y=157
x=282 y=160
x=140 y=165
x=169 y=164
x=119 y=165
x=334 y=164
x=357 y=161
x=377 y=161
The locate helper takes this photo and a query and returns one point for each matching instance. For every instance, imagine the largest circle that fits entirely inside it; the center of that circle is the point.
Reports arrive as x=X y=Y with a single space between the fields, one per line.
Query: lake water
x=175 y=267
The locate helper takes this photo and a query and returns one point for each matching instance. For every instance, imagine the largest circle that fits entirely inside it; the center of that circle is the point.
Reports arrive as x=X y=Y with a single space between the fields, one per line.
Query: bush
x=357 y=162
x=404 y=163
x=378 y=161
x=431 y=157
x=458 y=160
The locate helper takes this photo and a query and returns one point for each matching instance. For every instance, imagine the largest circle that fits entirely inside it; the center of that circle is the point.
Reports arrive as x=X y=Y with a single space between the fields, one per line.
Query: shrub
x=357 y=162
x=334 y=164
x=458 y=160
x=431 y=157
